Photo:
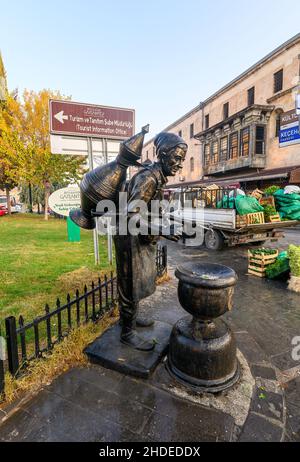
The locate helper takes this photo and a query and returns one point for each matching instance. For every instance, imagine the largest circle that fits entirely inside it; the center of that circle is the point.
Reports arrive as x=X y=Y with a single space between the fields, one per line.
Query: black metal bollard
x=12 y=344
x=202 y=352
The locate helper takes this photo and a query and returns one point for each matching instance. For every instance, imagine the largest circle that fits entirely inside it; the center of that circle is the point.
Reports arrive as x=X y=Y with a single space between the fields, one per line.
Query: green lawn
x=38 y=264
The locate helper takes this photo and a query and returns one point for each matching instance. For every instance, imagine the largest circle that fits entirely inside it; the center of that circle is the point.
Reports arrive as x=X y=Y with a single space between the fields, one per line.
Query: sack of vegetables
x=294 y=256
x=288 y=205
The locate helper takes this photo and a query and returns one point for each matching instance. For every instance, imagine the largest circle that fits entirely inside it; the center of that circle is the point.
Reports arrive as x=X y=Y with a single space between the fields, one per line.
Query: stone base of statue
x=109 y=352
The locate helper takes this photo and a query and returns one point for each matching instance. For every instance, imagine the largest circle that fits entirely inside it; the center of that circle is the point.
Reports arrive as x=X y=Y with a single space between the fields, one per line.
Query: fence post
x=165 y=258
x=12 y=344
x=111 y=288
x=1 y=369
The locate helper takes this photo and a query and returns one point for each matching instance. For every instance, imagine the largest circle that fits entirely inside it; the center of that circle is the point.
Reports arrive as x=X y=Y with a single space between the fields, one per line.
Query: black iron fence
x=161 y=260
x=28 y=341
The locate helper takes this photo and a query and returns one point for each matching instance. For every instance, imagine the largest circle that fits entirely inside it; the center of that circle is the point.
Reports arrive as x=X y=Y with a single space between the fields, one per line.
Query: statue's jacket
x=136 y=255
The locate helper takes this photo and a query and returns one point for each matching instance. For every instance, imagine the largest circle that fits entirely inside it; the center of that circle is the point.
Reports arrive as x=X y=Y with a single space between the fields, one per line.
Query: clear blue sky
x=160 y=57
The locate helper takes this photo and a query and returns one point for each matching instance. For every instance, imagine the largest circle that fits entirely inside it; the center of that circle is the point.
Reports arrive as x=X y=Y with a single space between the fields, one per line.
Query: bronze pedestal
x=202 y=352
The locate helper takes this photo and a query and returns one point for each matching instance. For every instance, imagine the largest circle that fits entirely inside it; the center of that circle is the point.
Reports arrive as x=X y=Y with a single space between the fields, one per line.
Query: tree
x=7 y=173
x=25 y=142
x=3 y=84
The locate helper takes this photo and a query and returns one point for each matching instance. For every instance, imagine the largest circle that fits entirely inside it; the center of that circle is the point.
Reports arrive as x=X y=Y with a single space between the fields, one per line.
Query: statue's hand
x=175 y=232
x=176 y=229
x=172 y=238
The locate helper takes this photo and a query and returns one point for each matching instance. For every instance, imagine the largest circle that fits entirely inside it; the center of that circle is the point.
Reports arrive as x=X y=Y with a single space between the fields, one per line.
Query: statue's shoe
x=141 y=321
x=133 y=340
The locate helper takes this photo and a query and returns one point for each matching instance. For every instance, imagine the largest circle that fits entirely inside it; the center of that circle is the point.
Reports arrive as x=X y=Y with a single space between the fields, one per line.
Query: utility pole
x=95 y=231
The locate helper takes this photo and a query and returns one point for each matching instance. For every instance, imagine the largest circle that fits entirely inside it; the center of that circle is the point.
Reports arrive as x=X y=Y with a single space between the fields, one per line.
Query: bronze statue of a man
x=136 y=254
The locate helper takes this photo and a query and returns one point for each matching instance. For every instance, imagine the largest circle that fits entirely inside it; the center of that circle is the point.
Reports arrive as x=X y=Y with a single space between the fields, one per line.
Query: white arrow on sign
x=61 y=117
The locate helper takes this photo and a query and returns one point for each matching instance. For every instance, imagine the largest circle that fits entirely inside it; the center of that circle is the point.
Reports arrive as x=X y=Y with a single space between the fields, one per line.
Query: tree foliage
x=25 y=145
x=3 y=84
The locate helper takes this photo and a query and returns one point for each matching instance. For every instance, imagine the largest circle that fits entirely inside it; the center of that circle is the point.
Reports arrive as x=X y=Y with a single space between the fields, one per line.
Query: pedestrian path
x=96 y=404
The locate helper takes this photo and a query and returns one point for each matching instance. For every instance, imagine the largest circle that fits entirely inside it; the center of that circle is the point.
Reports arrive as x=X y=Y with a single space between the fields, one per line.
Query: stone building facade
x=186 y=127
x=236 y=136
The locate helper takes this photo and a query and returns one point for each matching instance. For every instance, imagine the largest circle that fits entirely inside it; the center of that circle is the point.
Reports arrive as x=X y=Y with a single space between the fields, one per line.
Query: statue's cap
x=165 y=141
x=131 y=149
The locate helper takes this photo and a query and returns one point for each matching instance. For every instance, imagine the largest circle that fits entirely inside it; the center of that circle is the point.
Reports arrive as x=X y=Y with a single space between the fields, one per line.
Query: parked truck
x=212 y=209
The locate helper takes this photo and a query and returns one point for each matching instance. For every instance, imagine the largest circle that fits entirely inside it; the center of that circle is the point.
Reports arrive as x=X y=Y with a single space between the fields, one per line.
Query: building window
x=277 y=126
x=206 y=154
x=251 y=96
x=224 y=148
x=192 y=164
x=225 y=111
x=214 y=152
x=245 y=140
x=191 y=130
x=180 y=133
x=278 y=81
x=233 y=146
x=260 y=140
x=206 y=121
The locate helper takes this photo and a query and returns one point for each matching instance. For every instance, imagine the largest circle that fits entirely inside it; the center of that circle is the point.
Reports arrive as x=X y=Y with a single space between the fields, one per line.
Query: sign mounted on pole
x=289 y=129
x=63 y=200
x=89 y=120
x=89 y=130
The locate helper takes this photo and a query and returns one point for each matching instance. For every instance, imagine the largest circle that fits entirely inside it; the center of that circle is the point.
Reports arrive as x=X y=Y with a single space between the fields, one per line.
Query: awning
x=293 y=173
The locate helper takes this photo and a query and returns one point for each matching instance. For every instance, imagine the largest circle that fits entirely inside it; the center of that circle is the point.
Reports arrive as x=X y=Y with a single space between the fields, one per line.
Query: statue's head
x=171 y=151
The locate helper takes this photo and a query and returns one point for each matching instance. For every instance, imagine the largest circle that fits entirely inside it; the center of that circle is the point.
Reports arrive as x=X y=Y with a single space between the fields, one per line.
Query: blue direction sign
x=289 y=129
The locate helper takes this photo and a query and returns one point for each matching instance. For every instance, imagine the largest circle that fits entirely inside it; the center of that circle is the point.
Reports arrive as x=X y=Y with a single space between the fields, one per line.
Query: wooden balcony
x=238 y=142
x=257 y=161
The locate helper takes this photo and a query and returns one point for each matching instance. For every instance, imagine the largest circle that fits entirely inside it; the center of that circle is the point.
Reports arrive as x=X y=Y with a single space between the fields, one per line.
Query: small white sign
x=64 y=200
x=77 y=146
x=68 y=145
x=298 y=104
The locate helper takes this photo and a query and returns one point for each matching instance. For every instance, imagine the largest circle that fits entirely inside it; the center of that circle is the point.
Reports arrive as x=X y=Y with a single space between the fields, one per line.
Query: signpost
x=91 y=130
x=89 y=120
x=62 y=202
x=289 y=129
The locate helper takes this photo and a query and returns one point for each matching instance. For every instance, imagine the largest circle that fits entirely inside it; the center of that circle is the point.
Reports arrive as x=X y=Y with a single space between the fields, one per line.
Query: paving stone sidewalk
x=96 y=404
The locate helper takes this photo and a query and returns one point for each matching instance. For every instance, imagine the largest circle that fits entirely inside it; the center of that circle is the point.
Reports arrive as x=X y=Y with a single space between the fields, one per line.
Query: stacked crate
x=257 y=193
x=274 y=218
x=258 y=263
x=256 y=218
